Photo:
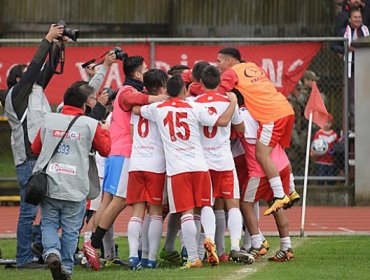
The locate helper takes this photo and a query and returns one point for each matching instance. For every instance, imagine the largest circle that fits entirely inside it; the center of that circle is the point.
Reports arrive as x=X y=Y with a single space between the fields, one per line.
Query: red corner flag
x=317 y=106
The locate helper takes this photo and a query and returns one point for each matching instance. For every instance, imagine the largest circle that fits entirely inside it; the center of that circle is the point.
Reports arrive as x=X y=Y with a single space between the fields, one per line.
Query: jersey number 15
x=178 y=119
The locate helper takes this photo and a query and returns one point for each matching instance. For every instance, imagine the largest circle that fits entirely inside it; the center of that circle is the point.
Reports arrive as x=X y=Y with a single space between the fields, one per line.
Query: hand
x=90 y=70
x=103 y=98
x=110 y=58
x=104 y=125
x=232 y=97
x=55 y=32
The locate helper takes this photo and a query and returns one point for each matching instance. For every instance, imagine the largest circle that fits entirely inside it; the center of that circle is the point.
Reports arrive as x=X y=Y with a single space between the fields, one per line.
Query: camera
x=73 y=34
x=112 y=93
x=120 y=54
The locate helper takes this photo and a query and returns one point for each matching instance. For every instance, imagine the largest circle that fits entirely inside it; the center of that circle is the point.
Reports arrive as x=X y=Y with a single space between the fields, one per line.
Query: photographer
x=25 y=106
x=65 y=202
x=96 y=104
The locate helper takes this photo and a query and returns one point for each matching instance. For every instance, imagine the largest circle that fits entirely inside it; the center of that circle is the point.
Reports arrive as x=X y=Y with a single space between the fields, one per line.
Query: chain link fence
x=326 y=66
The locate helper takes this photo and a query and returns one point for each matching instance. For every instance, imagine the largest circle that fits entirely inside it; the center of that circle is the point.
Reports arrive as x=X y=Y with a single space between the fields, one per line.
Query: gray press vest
x=68 y=169
x=38 y=106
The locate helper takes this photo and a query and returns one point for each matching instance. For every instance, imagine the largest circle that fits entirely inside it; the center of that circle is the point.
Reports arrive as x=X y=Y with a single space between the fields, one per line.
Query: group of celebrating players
x=201 y=147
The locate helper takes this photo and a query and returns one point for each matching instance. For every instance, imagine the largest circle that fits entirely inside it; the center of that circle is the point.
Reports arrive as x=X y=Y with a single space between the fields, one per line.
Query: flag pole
x=306 y=174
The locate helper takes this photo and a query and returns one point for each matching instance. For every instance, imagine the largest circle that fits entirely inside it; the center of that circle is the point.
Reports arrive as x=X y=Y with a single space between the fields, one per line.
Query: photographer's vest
x=68 y=169
x=261 y=98
x=38 y=106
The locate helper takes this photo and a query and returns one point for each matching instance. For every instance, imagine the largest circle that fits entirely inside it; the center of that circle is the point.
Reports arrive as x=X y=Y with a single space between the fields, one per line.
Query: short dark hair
x=14 y=73
x=353 y=10
x=197 y=70
x=177 y=69
x=233 y=52
x=175 y=85
x=131 y=64
x=76 y=95
x=210 y=77
x=155 y=79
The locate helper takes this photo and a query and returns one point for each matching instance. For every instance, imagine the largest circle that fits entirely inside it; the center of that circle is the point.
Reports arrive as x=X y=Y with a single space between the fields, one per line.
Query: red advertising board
x=284 y=63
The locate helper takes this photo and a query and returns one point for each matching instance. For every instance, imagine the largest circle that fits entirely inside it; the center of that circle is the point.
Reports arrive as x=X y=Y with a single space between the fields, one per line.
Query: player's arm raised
x=225 y=118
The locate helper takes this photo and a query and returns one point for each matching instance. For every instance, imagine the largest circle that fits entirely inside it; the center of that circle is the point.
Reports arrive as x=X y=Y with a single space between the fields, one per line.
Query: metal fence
x=327 y=65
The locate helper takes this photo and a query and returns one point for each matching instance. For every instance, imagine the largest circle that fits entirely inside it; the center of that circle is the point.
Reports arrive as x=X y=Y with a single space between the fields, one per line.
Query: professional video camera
x=120 y=54
x=73 y=34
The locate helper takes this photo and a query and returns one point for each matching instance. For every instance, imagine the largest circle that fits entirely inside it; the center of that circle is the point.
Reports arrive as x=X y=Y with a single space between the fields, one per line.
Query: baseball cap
x=310 y=75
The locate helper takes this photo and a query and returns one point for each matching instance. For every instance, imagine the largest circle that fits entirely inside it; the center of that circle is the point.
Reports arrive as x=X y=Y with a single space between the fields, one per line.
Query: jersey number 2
x=180 y=118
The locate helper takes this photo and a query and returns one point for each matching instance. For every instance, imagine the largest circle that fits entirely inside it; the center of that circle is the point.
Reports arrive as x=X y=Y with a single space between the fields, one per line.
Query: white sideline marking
x=346 y=229
x=248 y=270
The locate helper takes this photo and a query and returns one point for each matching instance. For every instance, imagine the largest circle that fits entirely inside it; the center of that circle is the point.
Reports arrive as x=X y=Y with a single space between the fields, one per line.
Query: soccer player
x=217 y=151
x=258 y=188
x=146 y=178
x=269 y=107
x=188 y=183
x=116 y=168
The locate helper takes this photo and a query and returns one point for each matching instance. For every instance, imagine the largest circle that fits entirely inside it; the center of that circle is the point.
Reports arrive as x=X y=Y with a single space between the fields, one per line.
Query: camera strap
x=87 y=63
x=61 y=60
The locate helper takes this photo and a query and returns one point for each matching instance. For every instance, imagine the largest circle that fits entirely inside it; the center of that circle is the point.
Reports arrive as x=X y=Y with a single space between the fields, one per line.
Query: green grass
x=344 y=257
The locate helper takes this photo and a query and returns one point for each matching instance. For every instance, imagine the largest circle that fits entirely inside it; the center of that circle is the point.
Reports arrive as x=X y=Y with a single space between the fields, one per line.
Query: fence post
x=152 y=54
x=346 y=115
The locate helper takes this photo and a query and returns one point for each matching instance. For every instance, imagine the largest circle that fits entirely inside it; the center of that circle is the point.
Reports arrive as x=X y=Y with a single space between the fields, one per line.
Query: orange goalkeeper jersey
x=261 y=98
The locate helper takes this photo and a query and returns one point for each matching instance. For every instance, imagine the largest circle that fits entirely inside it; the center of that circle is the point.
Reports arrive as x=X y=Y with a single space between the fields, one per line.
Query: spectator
x=342 y=18
x=354 y=30
x=325 y=163
x=64 y=205
x=25 y=107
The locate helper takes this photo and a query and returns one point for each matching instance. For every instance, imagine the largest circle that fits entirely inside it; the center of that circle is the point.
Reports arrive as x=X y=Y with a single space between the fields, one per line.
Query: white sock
x=155 y=233
x=291 y=183
x=257 y=210
x=109 y=245
x=235 y=225
x=145 y=238
x=208 y=222
x=87 y=236
x=173 y=225
x=198 y=224
x=201 y=249
x=256 y=241
x=277 y=187
x=285 y=243
x=133 y=233
x=189 y=232
x=262 y=236
x=247 y=239
x=181 y=239
x=220 y=231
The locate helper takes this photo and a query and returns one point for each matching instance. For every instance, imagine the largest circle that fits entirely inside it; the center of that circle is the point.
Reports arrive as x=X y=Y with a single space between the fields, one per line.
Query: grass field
x=334 y=257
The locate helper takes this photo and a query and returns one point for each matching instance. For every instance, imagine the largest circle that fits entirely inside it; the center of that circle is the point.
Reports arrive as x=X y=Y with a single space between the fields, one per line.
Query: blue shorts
x=116 y=175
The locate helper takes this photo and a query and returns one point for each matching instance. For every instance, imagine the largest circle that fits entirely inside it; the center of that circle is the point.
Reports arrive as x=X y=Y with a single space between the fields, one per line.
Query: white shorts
x=94 y=204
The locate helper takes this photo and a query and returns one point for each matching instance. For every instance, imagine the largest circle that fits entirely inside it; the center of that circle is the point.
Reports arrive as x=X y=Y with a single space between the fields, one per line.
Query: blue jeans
x=68 y=216
x=27 y=215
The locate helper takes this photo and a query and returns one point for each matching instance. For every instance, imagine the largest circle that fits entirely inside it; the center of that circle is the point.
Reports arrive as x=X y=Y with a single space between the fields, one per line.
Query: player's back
x=179 y=123
x=216 y=140
x=265 y=103
x=147 y=149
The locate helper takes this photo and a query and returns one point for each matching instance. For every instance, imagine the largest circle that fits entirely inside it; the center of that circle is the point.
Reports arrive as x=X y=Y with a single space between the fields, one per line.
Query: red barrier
x=284 y=63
